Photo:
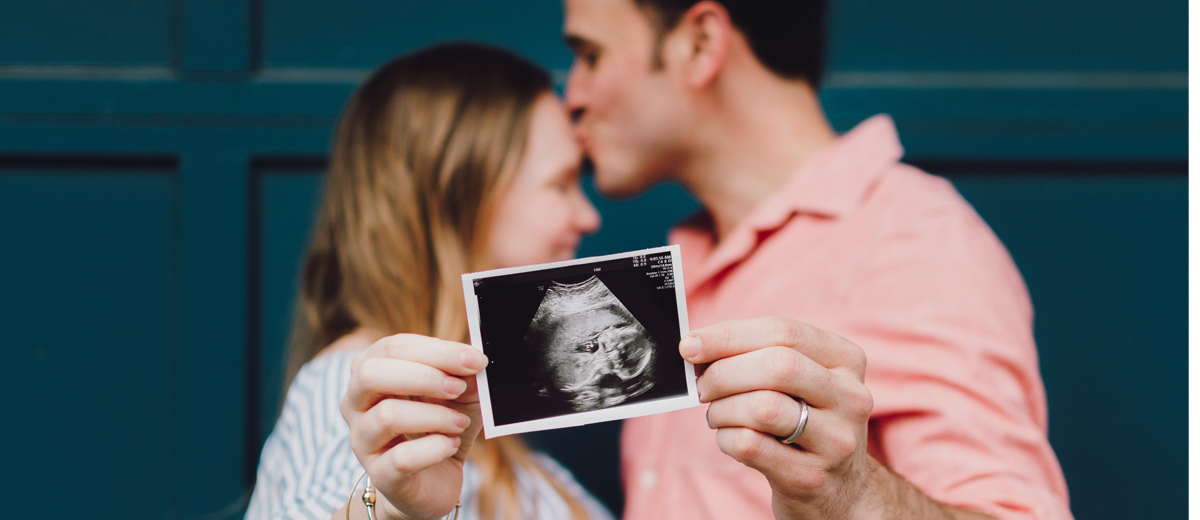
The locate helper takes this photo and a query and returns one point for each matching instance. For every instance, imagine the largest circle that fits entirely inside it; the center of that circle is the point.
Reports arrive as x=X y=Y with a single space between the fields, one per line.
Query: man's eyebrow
x=576 y=43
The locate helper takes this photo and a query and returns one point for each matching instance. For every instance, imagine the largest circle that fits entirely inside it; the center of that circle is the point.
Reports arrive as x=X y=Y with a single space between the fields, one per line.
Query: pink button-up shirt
x=896 y=261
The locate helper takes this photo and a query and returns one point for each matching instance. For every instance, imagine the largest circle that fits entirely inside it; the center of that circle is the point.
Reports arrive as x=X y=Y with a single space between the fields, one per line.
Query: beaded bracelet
x=368 y=498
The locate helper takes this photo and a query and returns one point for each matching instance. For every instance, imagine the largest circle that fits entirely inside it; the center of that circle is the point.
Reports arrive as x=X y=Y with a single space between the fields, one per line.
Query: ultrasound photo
x=597 y=354
x=579 y=342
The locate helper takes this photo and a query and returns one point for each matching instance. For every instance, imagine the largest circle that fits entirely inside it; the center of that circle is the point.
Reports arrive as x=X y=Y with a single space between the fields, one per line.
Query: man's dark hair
x=787 y=36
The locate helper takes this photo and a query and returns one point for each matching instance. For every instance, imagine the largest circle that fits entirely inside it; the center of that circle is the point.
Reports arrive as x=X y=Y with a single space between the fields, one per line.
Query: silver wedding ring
x=799 y=426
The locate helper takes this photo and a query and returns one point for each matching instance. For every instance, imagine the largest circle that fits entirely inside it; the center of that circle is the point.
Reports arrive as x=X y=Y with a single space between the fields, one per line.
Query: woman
x=453 y=159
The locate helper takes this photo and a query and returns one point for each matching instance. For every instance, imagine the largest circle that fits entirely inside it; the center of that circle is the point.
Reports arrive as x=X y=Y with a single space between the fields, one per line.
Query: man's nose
x=574 y=95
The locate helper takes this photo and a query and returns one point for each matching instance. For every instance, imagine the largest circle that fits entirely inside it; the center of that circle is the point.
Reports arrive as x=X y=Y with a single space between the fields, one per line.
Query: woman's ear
x=699 y=44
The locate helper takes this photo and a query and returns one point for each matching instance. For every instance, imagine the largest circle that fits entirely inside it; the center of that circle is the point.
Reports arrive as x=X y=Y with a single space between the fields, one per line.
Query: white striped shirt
x=307 y=466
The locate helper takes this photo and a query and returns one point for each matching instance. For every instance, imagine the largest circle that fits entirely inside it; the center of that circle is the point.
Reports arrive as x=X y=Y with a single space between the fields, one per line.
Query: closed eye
x=584 y=50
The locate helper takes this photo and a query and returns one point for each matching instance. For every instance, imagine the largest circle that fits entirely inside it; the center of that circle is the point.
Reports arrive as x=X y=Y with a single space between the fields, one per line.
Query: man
x=931 y=406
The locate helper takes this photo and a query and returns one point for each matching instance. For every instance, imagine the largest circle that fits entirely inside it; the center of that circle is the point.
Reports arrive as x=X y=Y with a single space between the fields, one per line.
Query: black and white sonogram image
x=596 y=353
x=580 y=338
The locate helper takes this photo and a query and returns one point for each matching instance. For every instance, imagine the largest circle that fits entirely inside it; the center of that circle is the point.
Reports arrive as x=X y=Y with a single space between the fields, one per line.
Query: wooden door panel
x=288 y=198
x=1062 y=36
x=89 y=319
x=84 y=32
x=322 y=34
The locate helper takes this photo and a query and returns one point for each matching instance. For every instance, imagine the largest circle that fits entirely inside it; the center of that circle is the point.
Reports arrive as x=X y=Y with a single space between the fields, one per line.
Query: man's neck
x=756 y=135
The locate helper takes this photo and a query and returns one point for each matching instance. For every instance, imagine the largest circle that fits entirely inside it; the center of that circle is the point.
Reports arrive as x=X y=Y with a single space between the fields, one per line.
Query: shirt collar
x=831 y=183
x=835 y=180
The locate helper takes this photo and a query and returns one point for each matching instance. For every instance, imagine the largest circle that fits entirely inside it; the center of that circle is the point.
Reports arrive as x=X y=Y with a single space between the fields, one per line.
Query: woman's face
x=545 y=211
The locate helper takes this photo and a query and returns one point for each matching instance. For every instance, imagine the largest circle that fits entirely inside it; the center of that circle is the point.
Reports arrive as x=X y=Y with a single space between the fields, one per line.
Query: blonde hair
x=422 y=153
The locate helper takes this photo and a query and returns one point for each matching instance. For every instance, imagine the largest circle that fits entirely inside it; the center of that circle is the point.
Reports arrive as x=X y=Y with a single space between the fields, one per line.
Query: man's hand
x=754 y=371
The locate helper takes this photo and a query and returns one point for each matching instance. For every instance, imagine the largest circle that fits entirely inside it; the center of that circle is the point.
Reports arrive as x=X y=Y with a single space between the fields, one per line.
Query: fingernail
x=689 y=347
x=461 y=420
x=455 y=386
x=455 y=441
x=473 y=359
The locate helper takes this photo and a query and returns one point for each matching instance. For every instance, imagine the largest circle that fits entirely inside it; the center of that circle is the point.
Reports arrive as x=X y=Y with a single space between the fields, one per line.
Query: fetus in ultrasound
x=594 y=353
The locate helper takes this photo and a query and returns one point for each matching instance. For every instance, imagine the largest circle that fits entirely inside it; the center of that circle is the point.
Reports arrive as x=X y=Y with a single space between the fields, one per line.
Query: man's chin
x=618 y=184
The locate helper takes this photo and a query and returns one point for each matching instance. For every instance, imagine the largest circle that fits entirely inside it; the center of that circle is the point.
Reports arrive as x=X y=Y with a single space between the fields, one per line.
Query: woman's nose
x=586 y=218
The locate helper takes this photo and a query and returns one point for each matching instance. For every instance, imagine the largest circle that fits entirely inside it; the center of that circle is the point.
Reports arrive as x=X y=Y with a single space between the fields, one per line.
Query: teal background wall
x=160 y=161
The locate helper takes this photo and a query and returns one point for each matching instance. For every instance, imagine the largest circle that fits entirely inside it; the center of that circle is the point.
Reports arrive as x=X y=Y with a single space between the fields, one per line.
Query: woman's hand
x=414 y=413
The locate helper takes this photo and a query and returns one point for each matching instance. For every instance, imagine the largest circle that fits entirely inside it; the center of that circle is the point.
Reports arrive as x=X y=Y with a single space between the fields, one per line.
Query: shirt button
x=649 y=479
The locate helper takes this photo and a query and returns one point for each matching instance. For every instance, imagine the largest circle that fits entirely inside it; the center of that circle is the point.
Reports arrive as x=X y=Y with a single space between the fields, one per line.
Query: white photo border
x=623 y=411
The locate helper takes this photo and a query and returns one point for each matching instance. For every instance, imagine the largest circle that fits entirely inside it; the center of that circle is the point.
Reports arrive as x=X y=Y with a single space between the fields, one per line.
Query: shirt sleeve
x=960 y=408
x=307 y=467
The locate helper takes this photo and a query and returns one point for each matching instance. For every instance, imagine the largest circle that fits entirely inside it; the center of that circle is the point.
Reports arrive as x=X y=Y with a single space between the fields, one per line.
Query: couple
x=926 y=403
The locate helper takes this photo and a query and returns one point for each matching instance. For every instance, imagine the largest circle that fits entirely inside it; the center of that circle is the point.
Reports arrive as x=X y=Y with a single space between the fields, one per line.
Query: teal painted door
x=160 y=161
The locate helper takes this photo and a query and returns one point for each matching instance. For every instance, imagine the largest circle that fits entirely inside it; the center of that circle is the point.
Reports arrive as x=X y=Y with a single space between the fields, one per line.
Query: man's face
x=630 y=116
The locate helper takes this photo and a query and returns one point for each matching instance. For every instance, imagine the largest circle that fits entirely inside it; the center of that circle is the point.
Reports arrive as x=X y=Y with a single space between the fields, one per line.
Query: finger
x=471 y=394
x=825 y=432
x=381 y=377
x=391 y=418
x=448 y=356
x=411 y=457
x=733 y=337
x=769 y=412
x=798 y=471
x=777 y=368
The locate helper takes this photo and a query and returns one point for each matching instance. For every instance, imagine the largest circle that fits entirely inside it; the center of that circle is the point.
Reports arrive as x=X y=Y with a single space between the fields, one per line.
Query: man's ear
x=700 y=42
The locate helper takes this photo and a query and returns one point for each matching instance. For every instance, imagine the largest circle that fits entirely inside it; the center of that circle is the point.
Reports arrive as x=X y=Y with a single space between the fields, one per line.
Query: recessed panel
x=83 y=32
x=87 y=306
x=1040 y=35
x=287 y=206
